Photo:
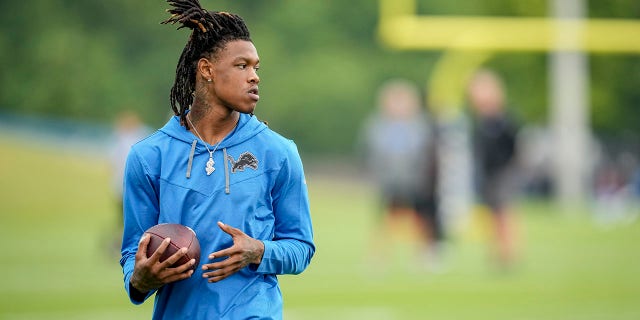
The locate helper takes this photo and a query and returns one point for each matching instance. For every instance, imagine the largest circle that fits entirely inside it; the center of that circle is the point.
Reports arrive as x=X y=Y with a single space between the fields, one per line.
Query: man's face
x=235 y=78
x=486 y=96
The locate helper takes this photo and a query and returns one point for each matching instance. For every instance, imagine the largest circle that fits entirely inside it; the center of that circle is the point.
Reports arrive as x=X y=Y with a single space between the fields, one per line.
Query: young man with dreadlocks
x=217 y=169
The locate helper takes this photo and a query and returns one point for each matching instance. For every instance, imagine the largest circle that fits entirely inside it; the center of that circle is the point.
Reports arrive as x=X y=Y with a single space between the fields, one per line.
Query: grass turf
x=57 y=216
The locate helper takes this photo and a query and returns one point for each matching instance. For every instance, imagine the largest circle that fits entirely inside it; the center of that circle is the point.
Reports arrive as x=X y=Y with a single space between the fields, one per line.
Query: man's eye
x=256 y=68
x=242 y=66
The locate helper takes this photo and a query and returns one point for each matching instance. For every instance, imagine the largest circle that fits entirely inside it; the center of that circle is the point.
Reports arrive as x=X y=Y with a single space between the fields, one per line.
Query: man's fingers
x=217 y=265
x=229 y=229
x=161 y=249
x=179 y=276
x=185 y=266
x=218 y=278
x=143 y=244
x=175 y=257
x=231 y=262
x=183 y=269
x=224 y=227
x=222 y=253
x=219 y=274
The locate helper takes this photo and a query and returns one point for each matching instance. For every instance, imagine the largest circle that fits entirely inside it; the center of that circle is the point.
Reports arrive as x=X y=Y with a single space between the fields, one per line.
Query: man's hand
x=245 y=251
x=150 y=273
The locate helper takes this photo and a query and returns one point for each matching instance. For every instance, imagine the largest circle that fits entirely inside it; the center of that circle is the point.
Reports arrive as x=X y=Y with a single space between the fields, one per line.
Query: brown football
x=181 y=237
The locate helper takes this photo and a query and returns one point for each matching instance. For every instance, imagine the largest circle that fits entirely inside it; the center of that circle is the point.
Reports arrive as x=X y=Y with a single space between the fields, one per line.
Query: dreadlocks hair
x=211 y=31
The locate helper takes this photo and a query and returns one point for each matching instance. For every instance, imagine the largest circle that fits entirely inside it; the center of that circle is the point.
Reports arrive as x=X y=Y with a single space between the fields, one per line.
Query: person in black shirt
x=494 y=147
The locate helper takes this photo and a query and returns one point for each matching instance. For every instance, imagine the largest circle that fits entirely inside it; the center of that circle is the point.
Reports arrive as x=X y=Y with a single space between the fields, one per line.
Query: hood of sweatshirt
x=248 y=126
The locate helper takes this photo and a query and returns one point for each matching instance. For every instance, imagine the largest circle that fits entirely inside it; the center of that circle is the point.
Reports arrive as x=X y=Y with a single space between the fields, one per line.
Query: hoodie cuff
x=269 y=262
x=136 y=296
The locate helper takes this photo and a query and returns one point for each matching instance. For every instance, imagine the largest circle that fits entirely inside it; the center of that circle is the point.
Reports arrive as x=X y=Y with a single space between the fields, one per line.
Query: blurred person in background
x=494 y=148
x=127 y=130
x=635 y=187
x=398 y=143
x=636 y=182
x=615 y=193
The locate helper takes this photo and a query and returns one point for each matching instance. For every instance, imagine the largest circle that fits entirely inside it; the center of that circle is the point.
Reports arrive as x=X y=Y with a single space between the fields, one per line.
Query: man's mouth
x=253 y=92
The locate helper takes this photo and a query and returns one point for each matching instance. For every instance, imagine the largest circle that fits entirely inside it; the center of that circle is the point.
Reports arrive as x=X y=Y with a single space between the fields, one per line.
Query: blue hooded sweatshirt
x=258 y=186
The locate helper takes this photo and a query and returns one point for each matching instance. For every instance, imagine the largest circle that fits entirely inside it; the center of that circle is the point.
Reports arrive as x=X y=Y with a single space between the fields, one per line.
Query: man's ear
x=205 y=69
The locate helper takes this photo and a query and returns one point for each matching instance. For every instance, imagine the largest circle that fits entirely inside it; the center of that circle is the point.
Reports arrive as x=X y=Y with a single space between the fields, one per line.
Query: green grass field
x=57 y=213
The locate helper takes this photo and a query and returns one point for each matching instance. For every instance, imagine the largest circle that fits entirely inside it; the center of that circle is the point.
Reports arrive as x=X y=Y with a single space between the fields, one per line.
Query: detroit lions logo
x=246 y=159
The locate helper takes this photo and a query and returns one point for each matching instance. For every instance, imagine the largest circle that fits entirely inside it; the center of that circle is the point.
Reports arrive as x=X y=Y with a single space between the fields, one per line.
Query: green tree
x=321 y=63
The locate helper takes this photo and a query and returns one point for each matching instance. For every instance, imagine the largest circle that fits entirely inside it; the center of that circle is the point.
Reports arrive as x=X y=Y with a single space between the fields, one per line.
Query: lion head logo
x=246 y=159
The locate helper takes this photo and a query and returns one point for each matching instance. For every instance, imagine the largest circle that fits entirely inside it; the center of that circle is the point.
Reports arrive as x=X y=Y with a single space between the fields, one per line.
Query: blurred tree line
x=321 y=63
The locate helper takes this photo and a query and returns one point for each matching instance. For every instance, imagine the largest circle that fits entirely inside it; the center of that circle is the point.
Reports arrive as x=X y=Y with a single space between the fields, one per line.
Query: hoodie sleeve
x=292 y=247
x=140 y=199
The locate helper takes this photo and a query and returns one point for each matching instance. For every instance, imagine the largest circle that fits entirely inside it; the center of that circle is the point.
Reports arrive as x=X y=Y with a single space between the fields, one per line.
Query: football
x=181 y=237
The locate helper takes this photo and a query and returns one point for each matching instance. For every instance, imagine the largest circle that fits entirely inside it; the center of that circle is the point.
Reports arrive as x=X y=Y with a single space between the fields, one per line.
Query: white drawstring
x=193 y=150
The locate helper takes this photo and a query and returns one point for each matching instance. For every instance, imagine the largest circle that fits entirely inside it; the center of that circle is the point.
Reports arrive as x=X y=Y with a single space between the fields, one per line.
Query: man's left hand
x=245 y=251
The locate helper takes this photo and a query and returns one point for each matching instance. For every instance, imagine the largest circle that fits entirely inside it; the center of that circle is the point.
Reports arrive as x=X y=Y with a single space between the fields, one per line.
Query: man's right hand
x=150 y=274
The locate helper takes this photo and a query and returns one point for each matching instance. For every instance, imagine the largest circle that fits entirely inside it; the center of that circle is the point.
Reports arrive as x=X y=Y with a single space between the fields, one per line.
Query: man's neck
x=212 y=126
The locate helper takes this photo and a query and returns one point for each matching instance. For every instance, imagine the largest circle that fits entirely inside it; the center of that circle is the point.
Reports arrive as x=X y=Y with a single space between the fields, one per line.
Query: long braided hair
x=211 y=31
